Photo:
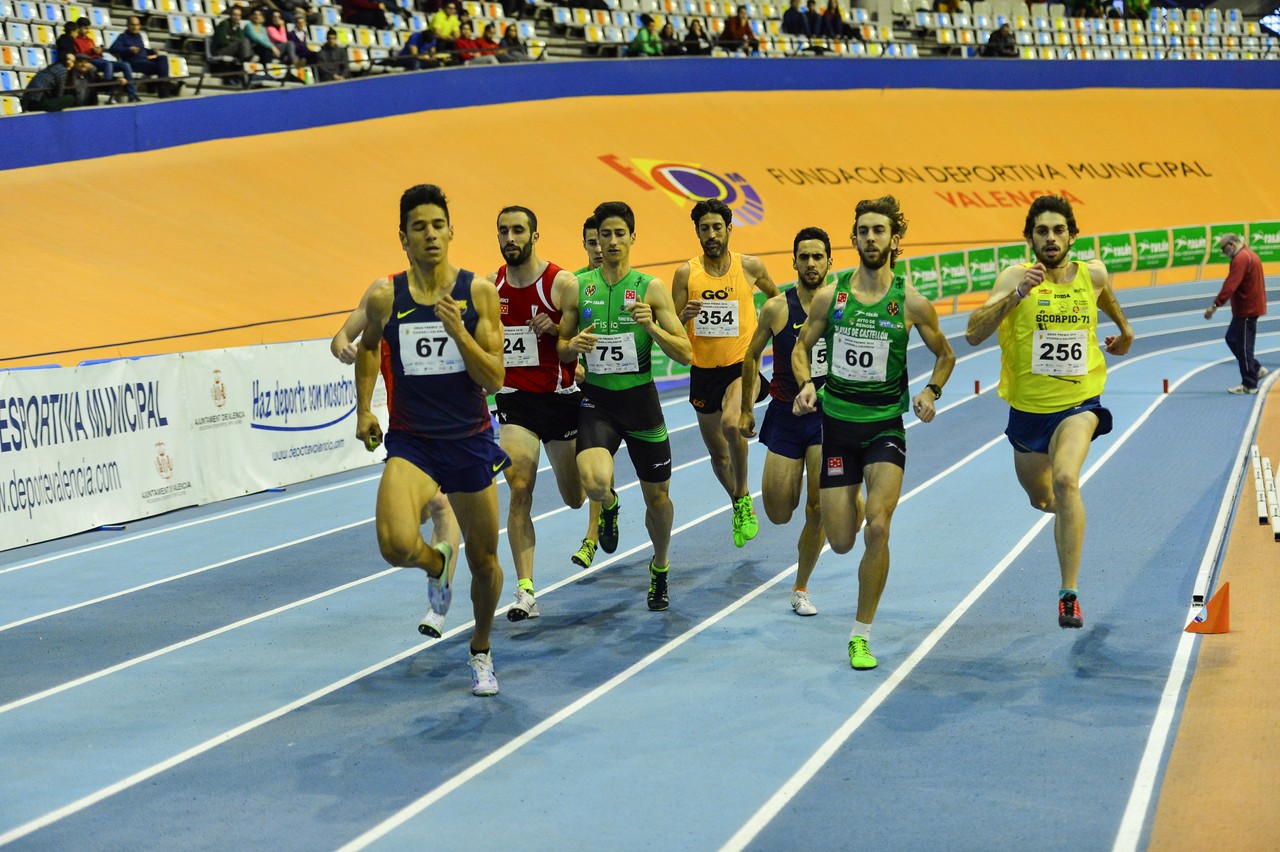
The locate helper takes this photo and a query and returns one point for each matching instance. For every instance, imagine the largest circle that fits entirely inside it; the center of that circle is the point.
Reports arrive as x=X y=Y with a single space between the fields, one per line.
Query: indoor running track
x=248 y=675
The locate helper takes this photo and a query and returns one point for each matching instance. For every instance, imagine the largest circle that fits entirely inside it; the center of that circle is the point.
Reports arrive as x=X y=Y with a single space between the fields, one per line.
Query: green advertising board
x=1190 y=245
x=1084 y=249
x=1010 y=255
x=1116 y=252
x=953 y=274
x=1217 y=258
x=1152 y=249
x=922 y=273
x=1264 y=238
x=983 y=269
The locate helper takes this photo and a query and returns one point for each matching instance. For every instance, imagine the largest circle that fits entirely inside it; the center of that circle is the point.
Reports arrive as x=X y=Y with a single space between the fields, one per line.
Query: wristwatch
x=937 y=391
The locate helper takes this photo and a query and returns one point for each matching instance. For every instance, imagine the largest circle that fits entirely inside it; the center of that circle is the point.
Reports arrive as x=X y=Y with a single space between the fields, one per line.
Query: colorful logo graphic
x=685 y=182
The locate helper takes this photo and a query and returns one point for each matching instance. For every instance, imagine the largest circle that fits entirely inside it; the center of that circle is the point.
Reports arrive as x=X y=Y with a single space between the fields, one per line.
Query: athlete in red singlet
x=539 y=400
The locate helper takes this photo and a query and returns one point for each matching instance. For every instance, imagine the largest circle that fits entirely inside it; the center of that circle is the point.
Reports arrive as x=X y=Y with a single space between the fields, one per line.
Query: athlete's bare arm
x=657 y=315
x=481 y=352
x=563 y=283
x=921 y=315
x=770 y=315
x=759 y=275
x=1011 y=286
x=1116 y=344
x=343 y=346
x=815 y=326
x=377 y=306
x=686 y=308
x=572 y=343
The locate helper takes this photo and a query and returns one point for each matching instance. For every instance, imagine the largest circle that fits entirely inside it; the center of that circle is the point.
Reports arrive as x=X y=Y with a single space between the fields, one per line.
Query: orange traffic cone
x=1216 y=615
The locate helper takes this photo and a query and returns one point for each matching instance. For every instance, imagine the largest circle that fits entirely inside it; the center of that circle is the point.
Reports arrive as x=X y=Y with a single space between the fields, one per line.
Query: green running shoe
x=585 y=553
x=860 y=655
x=750 y=525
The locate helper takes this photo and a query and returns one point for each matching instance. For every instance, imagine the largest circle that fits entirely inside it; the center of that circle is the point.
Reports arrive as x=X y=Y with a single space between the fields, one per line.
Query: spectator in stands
x=229 y=39
x=1139 y=9
x=370 y=13
x=795 y=22
x=671 y=43
x=278 y=32
x=288 y=9
x=470 y=50
x=646 y=42
x=948 y=7
x=511 y=48
x=85 y=81
x=66 y=42
x=696 y=41
x=265 y=49
x=737 y=36
x=300 y=38
x=489 y=41
x=419 y=51
x=447 y=26
x=833 y=22
x=47 y=91
x=813 y=18
x=1001 y=43
x=86 y=47
x=333 y=63
x=132 y=50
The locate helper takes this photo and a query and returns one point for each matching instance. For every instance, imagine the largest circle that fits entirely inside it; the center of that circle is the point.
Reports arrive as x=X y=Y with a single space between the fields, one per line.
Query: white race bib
x=614 y=353
x=1060 y=353
x=426 y=350
x=818 y=359
x=519 y=346
x=860 y=359
x=716 y=319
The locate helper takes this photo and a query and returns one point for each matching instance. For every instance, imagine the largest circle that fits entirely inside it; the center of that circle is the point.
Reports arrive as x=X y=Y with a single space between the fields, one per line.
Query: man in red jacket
x=1247 y=291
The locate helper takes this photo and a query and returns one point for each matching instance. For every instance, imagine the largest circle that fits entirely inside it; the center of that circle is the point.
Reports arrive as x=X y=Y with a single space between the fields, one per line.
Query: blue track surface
x=248 y=675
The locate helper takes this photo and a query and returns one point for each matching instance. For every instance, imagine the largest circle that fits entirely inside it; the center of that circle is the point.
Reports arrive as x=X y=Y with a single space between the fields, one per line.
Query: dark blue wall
x=32 y=140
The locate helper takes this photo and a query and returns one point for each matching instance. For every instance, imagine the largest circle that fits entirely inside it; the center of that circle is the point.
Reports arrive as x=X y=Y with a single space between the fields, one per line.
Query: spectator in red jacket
x=471 y=50
x=88 y=48
x=737 y=37
x=1247 y=290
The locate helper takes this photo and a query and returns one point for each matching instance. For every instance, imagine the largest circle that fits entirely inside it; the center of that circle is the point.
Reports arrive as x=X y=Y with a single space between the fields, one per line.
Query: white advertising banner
x=272 y=415
x=92 y=445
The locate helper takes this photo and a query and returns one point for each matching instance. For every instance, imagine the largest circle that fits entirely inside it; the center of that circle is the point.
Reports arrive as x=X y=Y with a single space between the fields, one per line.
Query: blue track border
x=45 y=138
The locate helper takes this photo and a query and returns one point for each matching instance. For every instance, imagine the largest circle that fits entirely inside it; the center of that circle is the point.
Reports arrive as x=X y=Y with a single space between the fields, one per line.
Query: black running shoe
x=609 y=525
x=1069 y=614
x=657 y=589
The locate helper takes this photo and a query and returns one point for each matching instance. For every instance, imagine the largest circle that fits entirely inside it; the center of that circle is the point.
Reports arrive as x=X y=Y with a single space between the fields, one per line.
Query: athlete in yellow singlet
x=1052 y=373
x=714 y=295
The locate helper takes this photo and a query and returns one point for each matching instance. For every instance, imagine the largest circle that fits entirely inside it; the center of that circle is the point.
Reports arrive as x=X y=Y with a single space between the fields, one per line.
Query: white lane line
x=1133 y=821
x=771 y=808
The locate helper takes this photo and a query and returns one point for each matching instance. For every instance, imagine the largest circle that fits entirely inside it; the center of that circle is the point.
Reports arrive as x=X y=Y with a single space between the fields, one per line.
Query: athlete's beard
x=884 y=258
x=714 y=250
x=803 y=282
x=1064 y=257
x=526 y=252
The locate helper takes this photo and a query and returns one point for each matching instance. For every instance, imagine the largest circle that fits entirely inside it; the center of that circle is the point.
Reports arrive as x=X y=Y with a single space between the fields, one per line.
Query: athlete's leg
x=1035 y=475
x=523 y=447
x=884 y=485
x=595 y=468
x=444 y=527
x=478 y=516
x=404 y=491
x=1067 y=451
x=730 y=412
x=842 y=515
x=658 y=517
x=721 y=460
x=813 y=535
x=781 y=483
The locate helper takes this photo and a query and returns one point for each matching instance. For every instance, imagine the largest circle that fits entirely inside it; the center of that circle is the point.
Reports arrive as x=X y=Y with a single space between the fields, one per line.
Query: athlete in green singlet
x=612 y=322
x=866 y=318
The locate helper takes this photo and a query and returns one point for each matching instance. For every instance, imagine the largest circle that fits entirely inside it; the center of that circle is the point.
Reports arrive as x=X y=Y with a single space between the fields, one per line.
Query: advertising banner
x=1011 y=254
x=1190 y=245
x=92 y=445
x=272 y=415
x=953 y=274
x=1085 y=249
x=922 y=273
x=1116 y=252
x=1154 y=249
x=983 y=269
x=1217 y=258
x=1264 y=238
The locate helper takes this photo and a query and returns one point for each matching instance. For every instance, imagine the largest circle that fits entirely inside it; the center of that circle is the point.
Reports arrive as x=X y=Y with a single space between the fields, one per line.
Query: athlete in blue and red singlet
x=444 y=337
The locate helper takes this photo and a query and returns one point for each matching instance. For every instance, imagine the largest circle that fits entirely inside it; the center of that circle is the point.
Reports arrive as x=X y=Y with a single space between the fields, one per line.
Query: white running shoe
x=1240 y=389
x=432 y=624
x=1262 y=372
x=483 y=681
x=524 y=607
x=439 y=589
x=801 y=604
